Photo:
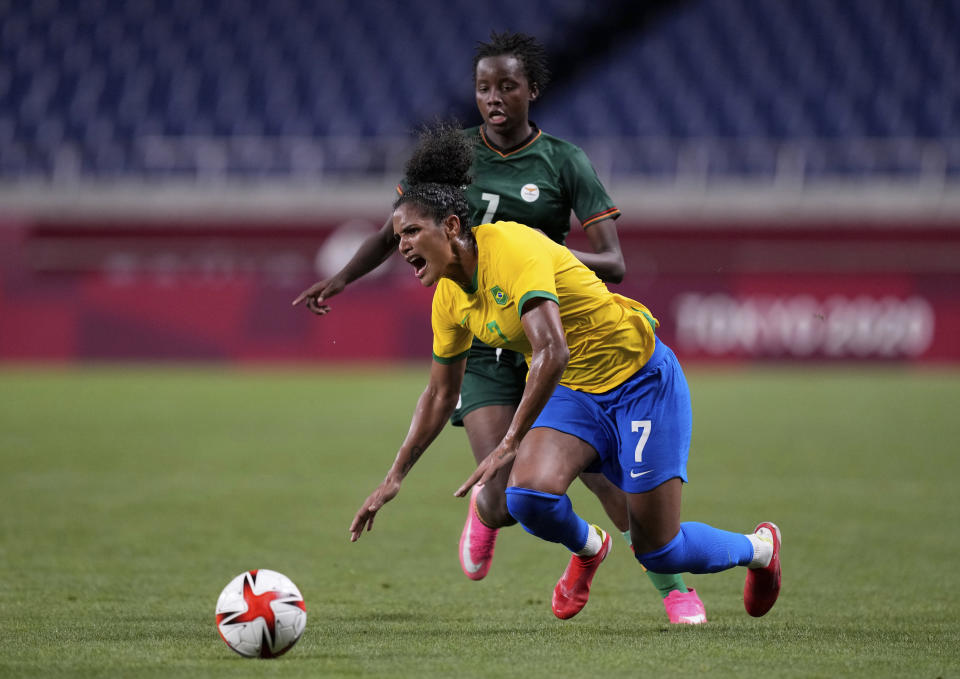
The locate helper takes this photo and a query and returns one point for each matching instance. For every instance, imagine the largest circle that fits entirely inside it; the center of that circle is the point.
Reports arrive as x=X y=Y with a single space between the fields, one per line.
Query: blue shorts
x=640 y=430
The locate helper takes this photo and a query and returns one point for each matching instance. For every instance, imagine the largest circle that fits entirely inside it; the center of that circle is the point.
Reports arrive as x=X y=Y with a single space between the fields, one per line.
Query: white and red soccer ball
x=261 y=614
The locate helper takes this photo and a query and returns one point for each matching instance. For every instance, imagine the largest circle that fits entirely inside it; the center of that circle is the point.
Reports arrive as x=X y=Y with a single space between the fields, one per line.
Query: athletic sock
x=762 y=542
x=664 y=582
x=594 y=542
x=550 y=517
x=667 y=582
x=699 y=548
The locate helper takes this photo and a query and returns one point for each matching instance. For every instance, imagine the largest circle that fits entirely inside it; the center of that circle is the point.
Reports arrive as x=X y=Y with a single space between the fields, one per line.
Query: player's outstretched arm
x=434 y=408
x=606 y=260
x=373 y=251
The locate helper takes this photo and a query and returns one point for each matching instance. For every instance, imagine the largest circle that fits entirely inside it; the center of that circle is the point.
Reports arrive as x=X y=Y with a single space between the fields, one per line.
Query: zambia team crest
x=499 y=296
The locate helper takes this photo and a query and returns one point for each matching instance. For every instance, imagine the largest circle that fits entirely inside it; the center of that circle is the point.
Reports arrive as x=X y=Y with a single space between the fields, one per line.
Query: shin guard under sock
x=699 y=548
x=548 y=516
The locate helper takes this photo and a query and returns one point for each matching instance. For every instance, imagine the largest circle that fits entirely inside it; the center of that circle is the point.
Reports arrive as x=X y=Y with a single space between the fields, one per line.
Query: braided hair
x=438 y=173
x=525 y=48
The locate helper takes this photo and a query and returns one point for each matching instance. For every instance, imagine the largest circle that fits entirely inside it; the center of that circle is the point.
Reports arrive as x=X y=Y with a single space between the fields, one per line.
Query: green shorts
x=493 y=377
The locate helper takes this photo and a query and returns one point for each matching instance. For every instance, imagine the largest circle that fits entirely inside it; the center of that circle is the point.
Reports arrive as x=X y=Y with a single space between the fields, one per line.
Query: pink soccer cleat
x=762 y=587
x=573 y=589
x=476 y=542
x=685 y=608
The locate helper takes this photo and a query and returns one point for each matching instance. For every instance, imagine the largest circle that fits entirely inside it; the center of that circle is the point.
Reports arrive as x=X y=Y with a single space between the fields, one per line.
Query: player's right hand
x=386 y=491
x=501 y=456
x=319 y=292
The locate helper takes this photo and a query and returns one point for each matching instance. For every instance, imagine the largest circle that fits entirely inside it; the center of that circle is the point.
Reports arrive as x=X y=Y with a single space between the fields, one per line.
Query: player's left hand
x=501 y=456
x=385 y=492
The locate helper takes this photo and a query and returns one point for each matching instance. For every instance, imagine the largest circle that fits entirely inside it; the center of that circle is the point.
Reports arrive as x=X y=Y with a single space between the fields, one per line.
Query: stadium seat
x=102 y=81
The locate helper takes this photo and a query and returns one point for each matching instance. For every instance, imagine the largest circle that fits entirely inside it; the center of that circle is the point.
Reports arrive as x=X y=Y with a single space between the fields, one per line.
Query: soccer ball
x=261 y=614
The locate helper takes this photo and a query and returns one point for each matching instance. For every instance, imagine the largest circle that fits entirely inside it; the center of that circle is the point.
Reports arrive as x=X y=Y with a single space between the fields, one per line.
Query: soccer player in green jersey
x=525 y=175
x=603 y=391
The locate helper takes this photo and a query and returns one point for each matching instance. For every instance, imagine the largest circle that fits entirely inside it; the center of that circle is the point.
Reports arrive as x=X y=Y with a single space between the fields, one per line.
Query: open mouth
x=419 y=264
x=496 y=117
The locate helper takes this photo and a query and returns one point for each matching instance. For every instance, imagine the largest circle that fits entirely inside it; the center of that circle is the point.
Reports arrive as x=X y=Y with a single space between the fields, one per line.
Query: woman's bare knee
x=655 y=516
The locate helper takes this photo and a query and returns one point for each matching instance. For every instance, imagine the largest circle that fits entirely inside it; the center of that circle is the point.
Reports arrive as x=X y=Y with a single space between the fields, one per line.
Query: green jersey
x=538 y=184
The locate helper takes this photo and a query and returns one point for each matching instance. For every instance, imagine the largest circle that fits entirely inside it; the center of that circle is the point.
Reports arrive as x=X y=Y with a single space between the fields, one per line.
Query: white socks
x=762 y=542
x=595 y=538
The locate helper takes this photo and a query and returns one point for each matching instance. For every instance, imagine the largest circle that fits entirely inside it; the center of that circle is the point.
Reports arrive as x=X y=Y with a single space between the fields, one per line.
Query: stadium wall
x=182 y=288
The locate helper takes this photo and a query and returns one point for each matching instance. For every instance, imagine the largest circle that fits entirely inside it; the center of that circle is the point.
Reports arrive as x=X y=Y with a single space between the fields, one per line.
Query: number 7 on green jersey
x=493 y=200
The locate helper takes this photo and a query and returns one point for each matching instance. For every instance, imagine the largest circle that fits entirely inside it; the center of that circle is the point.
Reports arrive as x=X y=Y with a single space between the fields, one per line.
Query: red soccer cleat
x=573 y=589
x=762 y=587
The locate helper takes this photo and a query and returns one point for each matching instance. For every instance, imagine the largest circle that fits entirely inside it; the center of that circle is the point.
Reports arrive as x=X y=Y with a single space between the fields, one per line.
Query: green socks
x=664 y=582
x=667 y=582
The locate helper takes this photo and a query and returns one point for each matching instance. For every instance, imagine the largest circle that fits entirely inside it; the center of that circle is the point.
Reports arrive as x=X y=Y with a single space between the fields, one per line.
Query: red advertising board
x=222 y=291
x=823 y=292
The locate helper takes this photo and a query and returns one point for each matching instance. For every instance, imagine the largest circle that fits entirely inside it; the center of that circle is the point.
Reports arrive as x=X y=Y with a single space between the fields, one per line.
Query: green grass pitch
x=129 y=496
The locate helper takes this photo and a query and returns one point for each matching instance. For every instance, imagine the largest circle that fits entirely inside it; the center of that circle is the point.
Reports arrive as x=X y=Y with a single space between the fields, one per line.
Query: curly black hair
x=528 y=51
x=438 y=173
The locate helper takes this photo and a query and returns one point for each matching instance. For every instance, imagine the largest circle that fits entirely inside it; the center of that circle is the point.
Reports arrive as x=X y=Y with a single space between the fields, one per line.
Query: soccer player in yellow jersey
x=602 y=391
x=525 y=175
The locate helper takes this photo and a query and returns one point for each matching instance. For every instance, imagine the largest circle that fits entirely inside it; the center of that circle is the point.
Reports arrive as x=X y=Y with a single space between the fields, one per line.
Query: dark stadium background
x=173 y=173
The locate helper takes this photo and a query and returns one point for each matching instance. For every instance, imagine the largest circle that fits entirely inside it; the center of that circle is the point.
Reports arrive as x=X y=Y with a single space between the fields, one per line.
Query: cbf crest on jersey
x=499 y=296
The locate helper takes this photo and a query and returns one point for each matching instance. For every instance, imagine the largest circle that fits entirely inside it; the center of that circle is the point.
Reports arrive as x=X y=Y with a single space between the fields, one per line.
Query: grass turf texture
x=131 y=496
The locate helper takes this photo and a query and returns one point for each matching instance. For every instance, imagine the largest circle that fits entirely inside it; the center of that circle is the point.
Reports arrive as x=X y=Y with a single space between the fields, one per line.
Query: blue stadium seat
x=740 y=77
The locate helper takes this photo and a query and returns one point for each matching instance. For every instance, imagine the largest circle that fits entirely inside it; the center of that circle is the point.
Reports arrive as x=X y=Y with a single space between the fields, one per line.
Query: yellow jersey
x=610 y=336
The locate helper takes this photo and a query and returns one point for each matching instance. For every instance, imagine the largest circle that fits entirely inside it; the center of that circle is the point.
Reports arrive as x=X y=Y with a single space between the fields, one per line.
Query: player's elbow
x=555 y=357
x=616 y=269
x=617 y=272
x=440 y=397
x=445 y=399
